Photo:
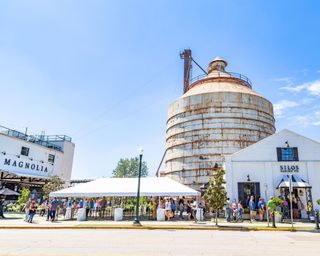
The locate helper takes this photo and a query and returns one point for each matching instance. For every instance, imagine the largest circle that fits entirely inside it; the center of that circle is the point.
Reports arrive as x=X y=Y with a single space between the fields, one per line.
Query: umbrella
x=8 y=192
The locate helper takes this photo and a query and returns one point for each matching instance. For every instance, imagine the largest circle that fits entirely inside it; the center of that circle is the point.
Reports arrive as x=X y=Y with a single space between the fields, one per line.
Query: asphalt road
x=157 y=242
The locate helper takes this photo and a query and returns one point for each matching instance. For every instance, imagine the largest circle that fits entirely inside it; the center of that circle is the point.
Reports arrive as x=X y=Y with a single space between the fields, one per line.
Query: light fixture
x=31 y=158
x=248 y=177
x=287 y=143
x=3 y=153
x=18 y=156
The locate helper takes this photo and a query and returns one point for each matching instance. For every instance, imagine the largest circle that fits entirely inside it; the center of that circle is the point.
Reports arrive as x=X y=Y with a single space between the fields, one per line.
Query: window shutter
x=295 y=154
x=279 y=154
x=241 y=193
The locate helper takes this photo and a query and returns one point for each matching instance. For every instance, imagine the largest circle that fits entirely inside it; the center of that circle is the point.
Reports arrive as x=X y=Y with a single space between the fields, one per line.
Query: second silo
x=219 y=114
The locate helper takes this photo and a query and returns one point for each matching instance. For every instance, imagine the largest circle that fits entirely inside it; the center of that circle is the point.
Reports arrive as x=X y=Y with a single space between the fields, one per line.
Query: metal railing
x=43 y=140
x=222 y=75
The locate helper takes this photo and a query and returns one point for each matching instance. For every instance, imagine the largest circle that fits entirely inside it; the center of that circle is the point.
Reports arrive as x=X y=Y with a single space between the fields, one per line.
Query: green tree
x=24 y=196
x=216 y=195
x=127 y=168
x=55 y=183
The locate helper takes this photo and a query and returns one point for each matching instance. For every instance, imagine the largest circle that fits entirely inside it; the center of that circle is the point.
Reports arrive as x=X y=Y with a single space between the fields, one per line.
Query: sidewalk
x=16 y=221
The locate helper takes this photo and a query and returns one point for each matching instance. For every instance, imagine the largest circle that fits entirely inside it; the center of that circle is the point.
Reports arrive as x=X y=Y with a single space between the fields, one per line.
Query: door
x=246 y=190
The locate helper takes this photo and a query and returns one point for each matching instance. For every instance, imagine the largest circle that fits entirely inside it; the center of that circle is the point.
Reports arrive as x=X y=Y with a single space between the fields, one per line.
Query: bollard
x=316 y=218
x=273 y=220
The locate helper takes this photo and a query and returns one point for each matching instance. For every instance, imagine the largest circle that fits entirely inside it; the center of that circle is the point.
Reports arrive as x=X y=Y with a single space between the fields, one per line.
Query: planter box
x=278 y=218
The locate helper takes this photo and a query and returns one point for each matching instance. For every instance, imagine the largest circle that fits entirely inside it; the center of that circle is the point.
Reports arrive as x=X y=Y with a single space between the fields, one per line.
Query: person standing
x=252 y=208
x=154 y=208
x=32 y=211
x=1 y=208
x=181 y=208
x=26 y=208
x=173 y=207
x=239 y=211
x=194 y=206
x=228 y=210
x=300 y=206
x=168 y=209
x=261 y=208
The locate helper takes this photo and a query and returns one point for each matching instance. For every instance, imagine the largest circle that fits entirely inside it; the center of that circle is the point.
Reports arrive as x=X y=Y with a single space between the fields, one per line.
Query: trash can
x=67 y=216
x=160 y=214
x=118 y=214
x=81 y=215
x=199 y=214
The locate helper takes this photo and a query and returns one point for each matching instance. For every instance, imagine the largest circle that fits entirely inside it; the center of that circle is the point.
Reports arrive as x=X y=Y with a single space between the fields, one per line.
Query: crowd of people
x=177 y=207
x=174 y=208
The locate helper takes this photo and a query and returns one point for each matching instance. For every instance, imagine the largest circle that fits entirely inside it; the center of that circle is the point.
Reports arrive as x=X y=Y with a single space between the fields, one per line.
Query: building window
x=287 y=154
x=25 y=151
x=51 y=158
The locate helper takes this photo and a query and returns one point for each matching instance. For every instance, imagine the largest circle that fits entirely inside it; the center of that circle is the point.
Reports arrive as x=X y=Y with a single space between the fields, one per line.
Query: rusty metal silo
x=218 y=114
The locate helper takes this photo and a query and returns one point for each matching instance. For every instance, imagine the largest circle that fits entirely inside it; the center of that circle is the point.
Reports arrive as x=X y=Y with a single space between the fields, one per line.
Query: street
x=156 y=242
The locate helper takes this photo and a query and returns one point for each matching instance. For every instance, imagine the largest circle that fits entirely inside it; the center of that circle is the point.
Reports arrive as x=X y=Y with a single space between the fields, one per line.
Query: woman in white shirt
x=168 y=210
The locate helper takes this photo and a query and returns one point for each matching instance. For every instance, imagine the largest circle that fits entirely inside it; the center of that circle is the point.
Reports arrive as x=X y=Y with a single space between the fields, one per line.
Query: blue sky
x=105 y=72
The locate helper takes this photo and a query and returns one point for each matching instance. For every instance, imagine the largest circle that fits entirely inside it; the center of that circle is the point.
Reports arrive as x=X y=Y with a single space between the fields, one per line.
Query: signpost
x=265 y=195
x=290 y=192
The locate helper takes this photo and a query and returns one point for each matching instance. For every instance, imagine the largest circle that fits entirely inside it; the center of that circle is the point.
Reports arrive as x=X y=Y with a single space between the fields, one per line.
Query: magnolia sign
x=25 y=167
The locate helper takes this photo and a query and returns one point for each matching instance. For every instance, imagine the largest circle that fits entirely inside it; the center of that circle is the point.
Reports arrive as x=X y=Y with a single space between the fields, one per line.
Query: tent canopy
x=297 y=182
x=122 y=187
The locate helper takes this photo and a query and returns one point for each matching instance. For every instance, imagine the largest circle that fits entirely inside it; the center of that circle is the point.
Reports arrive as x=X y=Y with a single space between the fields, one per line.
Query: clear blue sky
x=105 y=72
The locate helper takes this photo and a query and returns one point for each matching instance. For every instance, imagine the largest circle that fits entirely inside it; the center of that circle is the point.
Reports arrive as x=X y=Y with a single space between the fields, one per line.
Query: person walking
x=252 y=208
x=54 y=206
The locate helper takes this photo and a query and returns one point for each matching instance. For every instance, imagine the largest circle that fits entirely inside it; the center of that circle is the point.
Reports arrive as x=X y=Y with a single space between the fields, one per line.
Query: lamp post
x=137 y=218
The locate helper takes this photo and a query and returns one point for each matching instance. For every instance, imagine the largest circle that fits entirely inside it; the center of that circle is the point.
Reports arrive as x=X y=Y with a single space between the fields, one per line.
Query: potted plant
x=246 y=214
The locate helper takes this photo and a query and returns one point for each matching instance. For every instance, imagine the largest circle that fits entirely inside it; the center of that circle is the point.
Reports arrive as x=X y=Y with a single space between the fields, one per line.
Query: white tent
x=127 y=187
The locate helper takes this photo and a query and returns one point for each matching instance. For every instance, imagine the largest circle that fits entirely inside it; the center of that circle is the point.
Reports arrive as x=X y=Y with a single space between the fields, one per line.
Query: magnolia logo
x=25 y=165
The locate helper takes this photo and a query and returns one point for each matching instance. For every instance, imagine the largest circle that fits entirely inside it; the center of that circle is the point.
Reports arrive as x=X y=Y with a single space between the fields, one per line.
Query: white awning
x=27 y=175
x=297 y=182
x=152 y=186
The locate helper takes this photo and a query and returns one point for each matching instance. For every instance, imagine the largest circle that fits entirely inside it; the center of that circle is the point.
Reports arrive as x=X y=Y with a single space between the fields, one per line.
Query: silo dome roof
x=217 y=86
x=220 y=80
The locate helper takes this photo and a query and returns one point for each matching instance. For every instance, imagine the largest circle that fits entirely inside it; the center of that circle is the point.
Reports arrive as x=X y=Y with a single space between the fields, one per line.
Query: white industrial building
x=29 y=160
x=265 y=168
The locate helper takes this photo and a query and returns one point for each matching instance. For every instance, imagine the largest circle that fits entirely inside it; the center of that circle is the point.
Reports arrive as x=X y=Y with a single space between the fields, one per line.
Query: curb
x=148 y=227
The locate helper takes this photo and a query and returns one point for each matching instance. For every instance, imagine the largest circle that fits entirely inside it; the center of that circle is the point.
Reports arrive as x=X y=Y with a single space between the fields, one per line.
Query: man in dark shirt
x=53 y=208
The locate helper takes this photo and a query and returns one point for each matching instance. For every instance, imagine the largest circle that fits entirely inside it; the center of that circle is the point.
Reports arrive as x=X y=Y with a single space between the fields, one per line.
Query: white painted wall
x=260 y=162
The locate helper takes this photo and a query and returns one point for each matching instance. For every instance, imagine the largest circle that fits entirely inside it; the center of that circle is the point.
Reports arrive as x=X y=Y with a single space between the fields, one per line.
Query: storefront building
x=265 y=169
x=30 y=160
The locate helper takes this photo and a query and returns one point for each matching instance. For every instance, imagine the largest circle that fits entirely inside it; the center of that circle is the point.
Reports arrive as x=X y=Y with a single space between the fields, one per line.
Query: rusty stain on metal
x=219 y=115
